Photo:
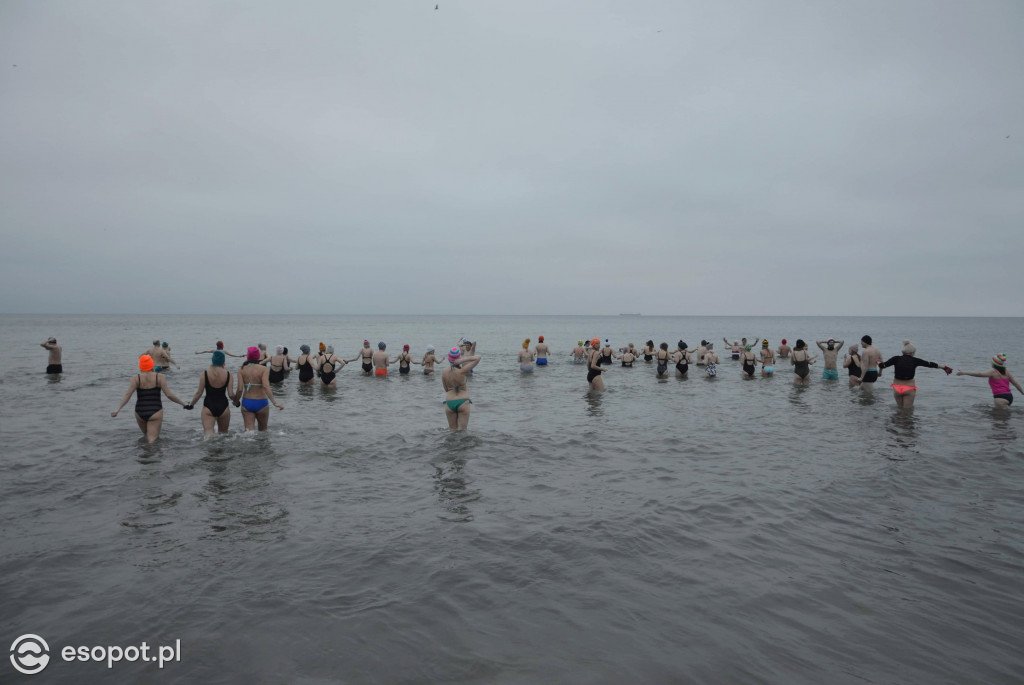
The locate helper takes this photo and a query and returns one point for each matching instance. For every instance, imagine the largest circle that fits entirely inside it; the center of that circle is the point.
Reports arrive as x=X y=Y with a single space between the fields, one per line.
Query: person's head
x=783 y=341
x=596 y=342
x=164 y=345
x=631 y=346
x=217 y=358
x=746 y=348
x=800 y=344
x=664 y=346
x=681 y=345
x=830 y=343
x=322 y=347
x=156 y=343
x=381 y=345
x=454 y=356
x=220 y=344
x=526 y=343
x=330 y=350
x=853 y=349
x=703 y=342
x=710 y=346
x=304 y=349
x=366 y=343
x=405 y=348
x=51 y=340
x=579 y=343
x=262 y=347
x=145 y=363
x=252 y=354
x=744 y=341
x=430 y=348
x=999 y=363
x=540 y=338
x=279 y=349
x=650 y=343
x=866 y=339
x=285 y=351
x=764 y=343
x=908 y=348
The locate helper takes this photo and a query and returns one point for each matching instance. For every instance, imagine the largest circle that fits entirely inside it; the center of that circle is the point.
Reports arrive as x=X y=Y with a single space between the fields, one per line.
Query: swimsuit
x=327 y=377
x=403 y=367
x=367 y=366
x=769 y=369
x=904 y=366
x=627 y=364
x=802 y=369
x=455 y=404
x=216 y=399
x=542 y=361
x=526 y=368
x=306 y=371
x=147 y=400
x=830 y=374
x=648 y=357
x=54 y=368
x=711 y=369
x=1001 y=389
x=870 y=377
x=380 y=372
x=748 y=367
x=682 y=367
x=254 y=406
x=902 y=389
x=662 y=365
x=854 y=368
x=606 y=360
x=276 y=376
x=735 y=355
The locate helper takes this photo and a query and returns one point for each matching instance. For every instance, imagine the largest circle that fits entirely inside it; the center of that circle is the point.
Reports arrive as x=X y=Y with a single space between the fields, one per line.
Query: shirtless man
x=380 y=360
x=869 y=358
x=429 y=359
x=829 y=353
x=161 y=357
x=542 y=351
x=784 y=350
x=735 y=347
x=366 y=356
x=53 y=365
x=702 y=351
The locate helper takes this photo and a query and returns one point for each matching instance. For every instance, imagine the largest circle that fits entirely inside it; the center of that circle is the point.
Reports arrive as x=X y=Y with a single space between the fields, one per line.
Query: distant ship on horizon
x=632 y=314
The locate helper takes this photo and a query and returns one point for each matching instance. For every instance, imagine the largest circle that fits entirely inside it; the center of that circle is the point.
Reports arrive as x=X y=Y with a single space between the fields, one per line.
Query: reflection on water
x=594 y=408
x=450 y=479
x=902 y=429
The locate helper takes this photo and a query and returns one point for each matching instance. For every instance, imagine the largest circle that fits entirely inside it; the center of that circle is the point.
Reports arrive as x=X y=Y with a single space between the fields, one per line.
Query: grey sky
x=790 y=158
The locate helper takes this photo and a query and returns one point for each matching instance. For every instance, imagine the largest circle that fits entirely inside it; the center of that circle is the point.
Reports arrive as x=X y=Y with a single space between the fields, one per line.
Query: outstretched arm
x=1015 y=383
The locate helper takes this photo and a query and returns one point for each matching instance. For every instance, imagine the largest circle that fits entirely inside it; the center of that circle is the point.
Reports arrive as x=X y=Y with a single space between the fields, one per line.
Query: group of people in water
x=252 y=386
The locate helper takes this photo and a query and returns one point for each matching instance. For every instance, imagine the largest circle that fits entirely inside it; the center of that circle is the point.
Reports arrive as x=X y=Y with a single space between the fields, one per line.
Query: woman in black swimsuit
x=683 y=358
x=215 y=382
x=330 y=364
x=147 y=385
x=801 y=362
x=649 y=351
x=852 y=362
x=594 y=369
x=305 y=364
x=276 y=364
x=749 y=361
x=662 y=357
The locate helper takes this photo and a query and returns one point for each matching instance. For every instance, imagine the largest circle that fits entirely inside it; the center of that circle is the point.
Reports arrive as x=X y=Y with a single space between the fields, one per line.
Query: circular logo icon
x=29 y=654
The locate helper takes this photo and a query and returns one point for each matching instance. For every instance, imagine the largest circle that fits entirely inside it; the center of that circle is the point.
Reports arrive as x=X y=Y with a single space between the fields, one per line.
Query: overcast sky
x=737 y=158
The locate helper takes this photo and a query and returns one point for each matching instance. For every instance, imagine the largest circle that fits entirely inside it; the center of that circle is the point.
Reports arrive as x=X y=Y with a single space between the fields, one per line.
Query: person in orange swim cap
x=542 y=351
x=145 y=363
x=147 y=386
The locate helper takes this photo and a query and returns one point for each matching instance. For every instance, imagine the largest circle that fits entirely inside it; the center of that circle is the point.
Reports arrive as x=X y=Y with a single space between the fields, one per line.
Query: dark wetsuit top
x=216 y=399
x=803 y=368
x=904 y=366
x=147 y=400
x=854 y=368
x=306 y=370
x=327 y=376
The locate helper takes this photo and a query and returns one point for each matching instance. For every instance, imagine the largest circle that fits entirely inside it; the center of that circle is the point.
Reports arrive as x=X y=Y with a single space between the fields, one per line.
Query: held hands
x=187 y=406
x=948 y=370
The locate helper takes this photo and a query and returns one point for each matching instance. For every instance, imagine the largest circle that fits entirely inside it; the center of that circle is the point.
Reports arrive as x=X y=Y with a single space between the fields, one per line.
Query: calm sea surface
x=666 y=531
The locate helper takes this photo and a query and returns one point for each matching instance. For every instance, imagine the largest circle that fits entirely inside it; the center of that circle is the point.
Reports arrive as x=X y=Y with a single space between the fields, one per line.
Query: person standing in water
x=365 y=356
x=161 y=357
x=870 y=357
x=829 y=355
x=607 y=353
x=456 y=394
x=851 y=362
x=594 y=369
x=749 y=361
x=702 y=351
x=649 y=351
x=216 y=383
x=662 y=358
x=304 y=363
x=276 y=364
x=629 y=356
x=429 y=359
x=53 y=364
x=578 y=354
x=801 y=361
x=999 y=380
x=767 y=359
x=219 y=348
x=380 y=360
x=526 y=357
x=904 y=387
x=149 y=411
x=329 y=365
x=404 y=361
x=253 y=392
x=784 y=350
x=682 y=358
x=542 y=351
x=710 y=361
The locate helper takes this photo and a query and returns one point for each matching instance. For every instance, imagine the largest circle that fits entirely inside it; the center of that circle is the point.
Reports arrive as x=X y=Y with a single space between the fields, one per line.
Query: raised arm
x=469 y=362
x=821 y=344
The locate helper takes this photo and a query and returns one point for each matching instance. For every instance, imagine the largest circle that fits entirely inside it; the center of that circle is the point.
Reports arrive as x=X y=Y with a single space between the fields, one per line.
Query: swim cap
x=145 y=363
x=405 y=348
x=304 y=349
x=262 y=346
x=866 y=339
x=746 y=348
x=381 y=345
x=430 y=348
x=330 y=349
x=51 y=339
x=526 y=343
x=664 y=346
x=366 y=343
x=540 y=338
x=454 y=355
x=164 y=344
x=908 y=348
x=999 y=360
x=579 y=342
x=853 y=349
x=783 y=341
x=217 y=358
x=220 y=344
x=764 y=343
x=681 y=345
x=595 y=342
x=279 y=349
x=252 y=354
x=322 y=347
x=155 y=343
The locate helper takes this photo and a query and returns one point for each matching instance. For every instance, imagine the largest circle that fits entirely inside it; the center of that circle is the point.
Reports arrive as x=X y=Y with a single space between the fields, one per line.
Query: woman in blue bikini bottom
x=253 y=393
